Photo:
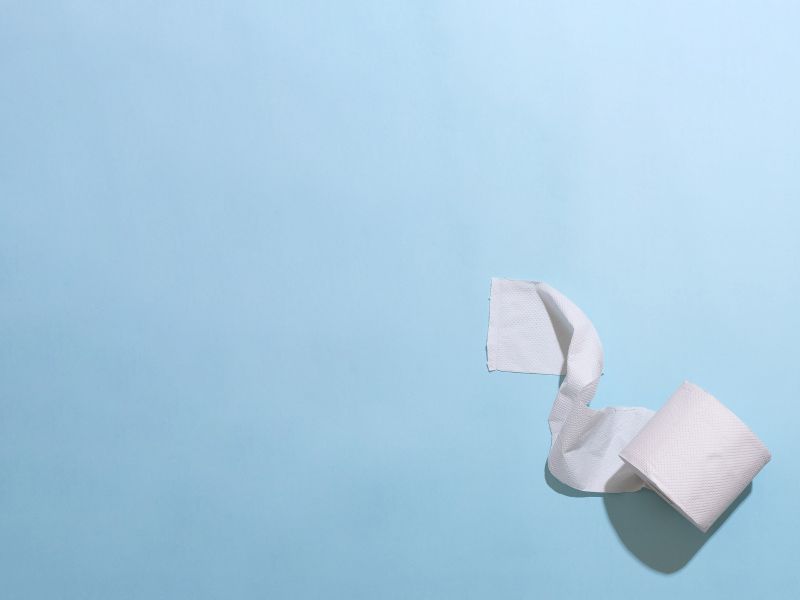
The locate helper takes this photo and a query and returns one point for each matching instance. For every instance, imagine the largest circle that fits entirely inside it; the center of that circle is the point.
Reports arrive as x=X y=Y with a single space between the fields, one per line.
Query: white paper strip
x=696 y=453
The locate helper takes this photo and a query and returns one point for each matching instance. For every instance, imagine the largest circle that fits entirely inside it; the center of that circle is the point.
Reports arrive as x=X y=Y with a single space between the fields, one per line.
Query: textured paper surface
x=694 y=452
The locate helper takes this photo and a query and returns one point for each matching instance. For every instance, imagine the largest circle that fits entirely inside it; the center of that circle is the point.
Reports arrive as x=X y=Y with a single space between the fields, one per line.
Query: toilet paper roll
x=695 y=452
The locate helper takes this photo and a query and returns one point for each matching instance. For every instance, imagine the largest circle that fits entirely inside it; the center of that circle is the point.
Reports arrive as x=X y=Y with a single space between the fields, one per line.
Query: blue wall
x=245 y=251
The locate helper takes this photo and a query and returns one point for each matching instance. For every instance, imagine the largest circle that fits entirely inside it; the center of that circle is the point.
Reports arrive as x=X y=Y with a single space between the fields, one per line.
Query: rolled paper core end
x=697 y=455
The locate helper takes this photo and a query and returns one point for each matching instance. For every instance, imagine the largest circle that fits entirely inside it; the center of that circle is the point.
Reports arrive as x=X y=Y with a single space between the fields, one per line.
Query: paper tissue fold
x=694 y=451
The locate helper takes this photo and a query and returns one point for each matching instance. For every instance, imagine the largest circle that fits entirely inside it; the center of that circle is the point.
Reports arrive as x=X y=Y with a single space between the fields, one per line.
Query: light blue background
x=245 y=252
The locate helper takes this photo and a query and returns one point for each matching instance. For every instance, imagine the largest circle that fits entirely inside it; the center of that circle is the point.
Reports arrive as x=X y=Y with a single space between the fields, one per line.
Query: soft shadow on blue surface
x=649 y=528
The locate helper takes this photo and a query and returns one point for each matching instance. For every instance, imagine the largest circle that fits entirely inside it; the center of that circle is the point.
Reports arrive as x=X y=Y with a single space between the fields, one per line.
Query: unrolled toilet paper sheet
x=694 y=451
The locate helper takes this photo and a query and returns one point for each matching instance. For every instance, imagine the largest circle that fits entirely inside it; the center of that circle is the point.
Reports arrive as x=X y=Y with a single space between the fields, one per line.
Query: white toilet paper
x=694 y=452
